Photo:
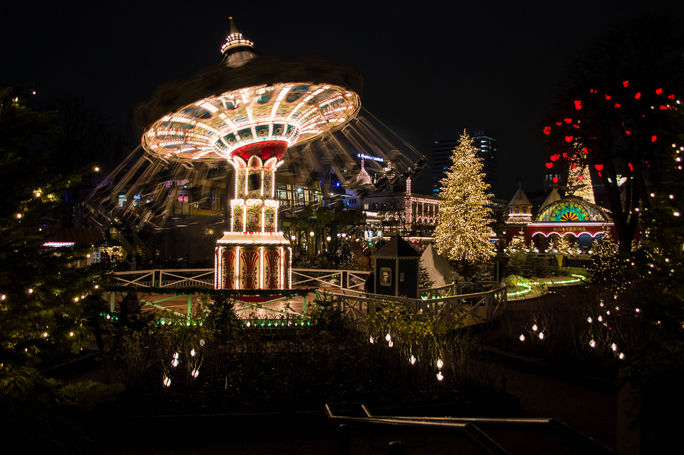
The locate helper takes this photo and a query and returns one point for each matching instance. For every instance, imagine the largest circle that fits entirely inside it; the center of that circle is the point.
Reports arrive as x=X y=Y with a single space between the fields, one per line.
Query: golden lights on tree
x=463 y=229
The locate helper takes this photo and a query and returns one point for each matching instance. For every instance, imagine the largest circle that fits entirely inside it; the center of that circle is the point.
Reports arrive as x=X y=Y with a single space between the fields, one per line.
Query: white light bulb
x=590 y=320
x=440 y=376
x=613 y=346
x=412 y=359
x=521 y=337
x=541 y=335
x=534 y=327
x=592 y=343
x=440 y=364
x=388 y=337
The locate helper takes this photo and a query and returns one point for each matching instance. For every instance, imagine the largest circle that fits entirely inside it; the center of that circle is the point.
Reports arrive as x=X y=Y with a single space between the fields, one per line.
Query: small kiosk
x=396 y=269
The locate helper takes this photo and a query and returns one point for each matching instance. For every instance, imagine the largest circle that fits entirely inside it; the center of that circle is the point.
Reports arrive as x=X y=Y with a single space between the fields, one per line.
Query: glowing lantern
x=549 y=165
x=568 y=139
x=598 y=167
x=547 y=130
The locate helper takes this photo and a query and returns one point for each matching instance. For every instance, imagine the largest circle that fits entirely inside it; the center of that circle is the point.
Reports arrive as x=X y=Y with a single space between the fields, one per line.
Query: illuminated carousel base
x=246 y=260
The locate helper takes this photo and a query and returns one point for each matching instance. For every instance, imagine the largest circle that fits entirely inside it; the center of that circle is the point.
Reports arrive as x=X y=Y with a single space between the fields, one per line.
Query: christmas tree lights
x=464 y=220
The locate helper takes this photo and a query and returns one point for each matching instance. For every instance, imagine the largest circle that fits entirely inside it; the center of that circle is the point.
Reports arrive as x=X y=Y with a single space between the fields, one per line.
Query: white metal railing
x=204 y=278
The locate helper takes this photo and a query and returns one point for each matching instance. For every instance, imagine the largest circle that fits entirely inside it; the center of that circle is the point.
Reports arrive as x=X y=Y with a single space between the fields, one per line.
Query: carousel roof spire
x=237 y=50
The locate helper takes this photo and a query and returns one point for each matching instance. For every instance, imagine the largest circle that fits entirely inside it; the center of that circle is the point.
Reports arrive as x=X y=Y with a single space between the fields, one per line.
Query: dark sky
x=428 y=71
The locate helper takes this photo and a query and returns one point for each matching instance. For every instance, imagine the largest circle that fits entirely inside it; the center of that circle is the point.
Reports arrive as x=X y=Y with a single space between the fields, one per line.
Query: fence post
x=111 y=301
x=304 y=303
x=189 y=307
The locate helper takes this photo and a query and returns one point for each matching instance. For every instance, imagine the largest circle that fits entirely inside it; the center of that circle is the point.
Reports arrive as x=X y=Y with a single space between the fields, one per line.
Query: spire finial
x=237 y=50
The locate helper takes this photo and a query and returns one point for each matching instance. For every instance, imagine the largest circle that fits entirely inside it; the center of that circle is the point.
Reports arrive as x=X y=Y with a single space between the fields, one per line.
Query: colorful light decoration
x=252 y=128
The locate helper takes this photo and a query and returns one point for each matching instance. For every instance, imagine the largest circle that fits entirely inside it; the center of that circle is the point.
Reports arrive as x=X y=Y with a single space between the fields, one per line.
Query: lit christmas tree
x=463 y=223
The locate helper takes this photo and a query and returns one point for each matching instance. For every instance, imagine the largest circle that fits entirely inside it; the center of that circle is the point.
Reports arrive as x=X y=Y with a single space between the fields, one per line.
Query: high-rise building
x=441 y=161
x=487 y=146
x=441 y=158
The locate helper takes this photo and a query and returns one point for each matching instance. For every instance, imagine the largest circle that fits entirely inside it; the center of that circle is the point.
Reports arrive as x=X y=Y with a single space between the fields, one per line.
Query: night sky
x=428 y=72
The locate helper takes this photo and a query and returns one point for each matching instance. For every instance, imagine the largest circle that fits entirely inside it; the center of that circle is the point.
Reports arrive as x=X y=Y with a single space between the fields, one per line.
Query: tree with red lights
x=620 y=115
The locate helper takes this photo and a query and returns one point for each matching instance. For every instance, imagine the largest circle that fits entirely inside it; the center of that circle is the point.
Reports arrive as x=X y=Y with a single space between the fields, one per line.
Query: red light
x=559 y=123
x=549 y=165
x=547 y=130
x=618 y=105
x=574 y=165
x=567 y=120
x=565 y=155
x=575 y=126
x=607 y=97
x=628 y=132
x=578 y=104
x=631 y=168
x=585 y=150
x=659 y=91
x=637 y=95
x=554 y=157
x=625 y=84
x=654 y=138
x=580 y=177
x=598 y=167
x=599 y=174
x=662 y=108
x=591 y=90
x=670 y=97
x=568 y=139
x=555 y=179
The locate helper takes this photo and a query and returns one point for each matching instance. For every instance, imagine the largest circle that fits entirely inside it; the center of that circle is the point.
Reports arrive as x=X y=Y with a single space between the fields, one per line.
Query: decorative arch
x=565 y=211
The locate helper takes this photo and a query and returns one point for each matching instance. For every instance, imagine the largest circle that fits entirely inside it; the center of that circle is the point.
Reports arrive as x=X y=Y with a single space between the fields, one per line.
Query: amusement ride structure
x=252 y=127
x=237 y=120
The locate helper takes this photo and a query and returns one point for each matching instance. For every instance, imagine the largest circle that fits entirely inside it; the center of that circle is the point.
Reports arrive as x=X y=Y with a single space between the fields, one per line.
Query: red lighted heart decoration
x=598 y=167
